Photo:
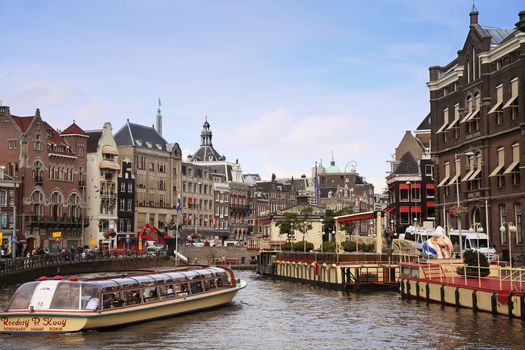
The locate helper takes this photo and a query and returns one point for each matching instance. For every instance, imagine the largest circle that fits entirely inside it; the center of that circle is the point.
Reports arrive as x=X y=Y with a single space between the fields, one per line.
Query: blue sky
x=283 y=83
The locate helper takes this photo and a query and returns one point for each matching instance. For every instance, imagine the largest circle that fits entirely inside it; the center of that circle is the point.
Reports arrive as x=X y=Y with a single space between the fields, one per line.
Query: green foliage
x=285 y=224
x=351 y=246
x=367 y=248
x=285 y=246
x=299 y=246
x=348 y=246
x=329 y=246
x=470 y=258
x=348 y=226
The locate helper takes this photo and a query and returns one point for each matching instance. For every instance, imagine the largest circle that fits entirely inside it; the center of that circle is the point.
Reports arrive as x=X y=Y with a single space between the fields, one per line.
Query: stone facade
x=156 y=167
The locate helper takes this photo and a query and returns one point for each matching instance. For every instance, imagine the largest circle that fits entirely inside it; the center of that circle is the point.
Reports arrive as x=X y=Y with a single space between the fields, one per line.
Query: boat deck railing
x=497 y=276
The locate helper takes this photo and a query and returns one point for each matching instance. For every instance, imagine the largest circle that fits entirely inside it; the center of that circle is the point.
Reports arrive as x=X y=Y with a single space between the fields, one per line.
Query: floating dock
x=501 y=292
x=347 y=271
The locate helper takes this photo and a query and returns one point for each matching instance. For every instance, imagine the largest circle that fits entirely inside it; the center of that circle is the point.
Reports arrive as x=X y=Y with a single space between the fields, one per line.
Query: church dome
x=332 y=168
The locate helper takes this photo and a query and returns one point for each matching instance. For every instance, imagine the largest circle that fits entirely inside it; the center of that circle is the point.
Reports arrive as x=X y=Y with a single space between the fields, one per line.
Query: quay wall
x=86 y=266
x=206 y=255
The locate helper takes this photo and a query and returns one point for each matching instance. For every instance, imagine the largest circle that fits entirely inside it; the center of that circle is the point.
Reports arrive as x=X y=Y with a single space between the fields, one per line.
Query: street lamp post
x=456 y=155
x=509 y=229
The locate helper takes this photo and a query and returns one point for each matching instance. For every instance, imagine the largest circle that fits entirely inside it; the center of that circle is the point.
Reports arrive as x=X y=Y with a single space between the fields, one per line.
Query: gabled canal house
x=411 y=188
x=101 y=188
x=156 y=167
x=476 y=108
x=48 y=165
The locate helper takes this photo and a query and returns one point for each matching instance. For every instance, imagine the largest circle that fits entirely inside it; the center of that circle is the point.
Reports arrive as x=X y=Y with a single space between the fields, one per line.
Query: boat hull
x=60 y=322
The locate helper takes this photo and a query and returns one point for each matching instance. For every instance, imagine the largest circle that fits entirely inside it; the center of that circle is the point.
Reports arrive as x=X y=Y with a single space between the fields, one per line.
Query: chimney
x=474 y=16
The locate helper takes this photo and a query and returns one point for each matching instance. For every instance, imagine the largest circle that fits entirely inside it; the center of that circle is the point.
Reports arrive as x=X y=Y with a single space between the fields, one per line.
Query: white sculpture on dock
x=438 y=246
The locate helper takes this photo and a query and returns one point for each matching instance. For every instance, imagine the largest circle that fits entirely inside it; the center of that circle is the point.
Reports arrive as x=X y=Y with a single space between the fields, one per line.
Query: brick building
x=49 y=167
x=477 y=119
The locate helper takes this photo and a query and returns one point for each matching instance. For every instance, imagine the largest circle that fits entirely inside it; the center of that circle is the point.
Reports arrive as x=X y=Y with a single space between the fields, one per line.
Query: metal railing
x=8 y=265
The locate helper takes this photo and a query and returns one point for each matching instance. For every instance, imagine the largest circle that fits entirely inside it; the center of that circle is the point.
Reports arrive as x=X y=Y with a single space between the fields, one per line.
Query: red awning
x=355 y=217
x=416 y=209
x=431 y=186
x=431 y=204
x=416 y=186
x=403 y=186
x=389 y=210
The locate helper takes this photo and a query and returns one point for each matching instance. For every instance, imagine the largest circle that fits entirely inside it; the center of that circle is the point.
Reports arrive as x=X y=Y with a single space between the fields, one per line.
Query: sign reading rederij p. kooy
x=39 y=324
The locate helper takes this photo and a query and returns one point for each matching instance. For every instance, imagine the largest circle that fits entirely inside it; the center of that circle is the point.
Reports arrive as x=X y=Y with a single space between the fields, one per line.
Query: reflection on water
x=282 y=315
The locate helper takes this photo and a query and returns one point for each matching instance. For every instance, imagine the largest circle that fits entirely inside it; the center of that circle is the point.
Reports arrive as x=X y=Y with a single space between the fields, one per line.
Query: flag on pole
x=179 y=208
x=317 y=190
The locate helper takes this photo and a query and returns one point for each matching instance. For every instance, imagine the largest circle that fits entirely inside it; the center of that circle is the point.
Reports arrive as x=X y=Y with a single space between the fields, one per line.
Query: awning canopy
x=474 y=174
x=471 y=171
x=108 y=164
x=454 y=179
x=497 y=170
x=444 y=181
x=511 y=167
x=110 y=150
x=510 y=102
x=355 y=217
x=495 y=107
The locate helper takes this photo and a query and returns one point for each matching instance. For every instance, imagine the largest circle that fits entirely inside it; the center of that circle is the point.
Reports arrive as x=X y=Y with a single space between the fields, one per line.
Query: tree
x=348 y=226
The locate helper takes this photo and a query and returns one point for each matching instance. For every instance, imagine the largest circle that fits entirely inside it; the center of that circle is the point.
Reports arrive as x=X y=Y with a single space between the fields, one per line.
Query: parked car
x=195 y=243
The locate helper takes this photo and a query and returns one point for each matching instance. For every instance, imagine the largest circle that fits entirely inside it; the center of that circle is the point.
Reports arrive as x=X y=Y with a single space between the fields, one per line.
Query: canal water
x=271 y=314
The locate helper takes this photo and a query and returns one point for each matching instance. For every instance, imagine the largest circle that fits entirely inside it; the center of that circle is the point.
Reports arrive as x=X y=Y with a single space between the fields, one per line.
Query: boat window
x=181 y=289
x=196 y=286
x=220 y=282
x=127 y=282
x=131 y=297
x=161 y=278
x=66 y=296
x=144 y=280
x=166 y=291
x=150 y=294
x=191 y=274
x=111 y=300
x=90 y=296
x=209 y=284
x=107 y=285
x=22 y=296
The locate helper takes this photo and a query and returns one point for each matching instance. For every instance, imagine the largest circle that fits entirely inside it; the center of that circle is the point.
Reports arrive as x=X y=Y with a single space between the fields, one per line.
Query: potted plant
x=470 y=258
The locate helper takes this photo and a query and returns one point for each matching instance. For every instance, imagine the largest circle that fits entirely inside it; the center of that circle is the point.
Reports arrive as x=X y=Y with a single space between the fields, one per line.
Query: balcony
x=239 y=207
x=108 y=195
x=39 y=180
x=81 y=184
x=63 y=221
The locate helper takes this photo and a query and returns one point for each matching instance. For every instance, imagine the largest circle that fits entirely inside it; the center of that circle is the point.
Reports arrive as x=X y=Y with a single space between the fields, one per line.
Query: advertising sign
x=57 y=234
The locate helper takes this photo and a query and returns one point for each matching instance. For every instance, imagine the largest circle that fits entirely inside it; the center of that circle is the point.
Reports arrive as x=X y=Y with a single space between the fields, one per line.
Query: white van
x=471 y=241
x=416 y=236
